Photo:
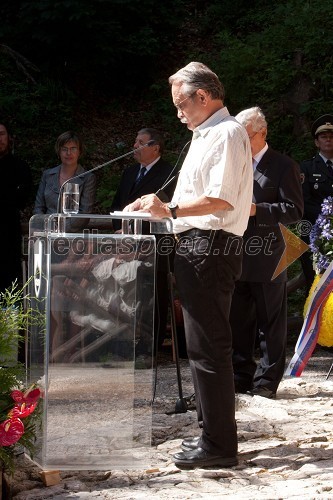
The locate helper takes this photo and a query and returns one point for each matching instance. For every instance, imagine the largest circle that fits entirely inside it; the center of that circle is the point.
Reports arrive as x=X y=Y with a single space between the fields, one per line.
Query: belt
x=195 y=232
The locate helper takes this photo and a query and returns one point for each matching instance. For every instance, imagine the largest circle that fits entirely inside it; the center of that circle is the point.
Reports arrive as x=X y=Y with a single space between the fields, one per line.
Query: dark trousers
x=307 y=265
x=307 y=268
x=205 y=281
x=259 y=311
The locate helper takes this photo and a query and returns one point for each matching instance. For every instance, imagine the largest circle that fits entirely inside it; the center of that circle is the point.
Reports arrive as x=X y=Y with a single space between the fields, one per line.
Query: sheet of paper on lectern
x=132 y=215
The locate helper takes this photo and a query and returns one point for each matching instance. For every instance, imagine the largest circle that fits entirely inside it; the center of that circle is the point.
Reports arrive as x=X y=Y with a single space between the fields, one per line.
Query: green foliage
x=108 y=187
x=112 y=58
x=14 y=319
x=280 y=58
x=38 y=113
x=100 y=38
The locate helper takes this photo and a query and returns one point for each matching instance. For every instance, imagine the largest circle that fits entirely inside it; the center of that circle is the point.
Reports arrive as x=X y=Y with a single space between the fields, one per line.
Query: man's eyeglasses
x=253 y=135
x=74 y=149
x=180 y=106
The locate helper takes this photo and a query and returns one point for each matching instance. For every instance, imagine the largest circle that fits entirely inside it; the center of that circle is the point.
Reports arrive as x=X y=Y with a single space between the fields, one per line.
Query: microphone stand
x=182 y=403
x=83 y=174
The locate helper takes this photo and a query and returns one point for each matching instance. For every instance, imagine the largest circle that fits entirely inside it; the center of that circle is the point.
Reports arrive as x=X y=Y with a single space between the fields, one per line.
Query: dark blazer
x=15 y=189
x=317 y=185
x=48 y=191
x=154 y=179
x=277 y=193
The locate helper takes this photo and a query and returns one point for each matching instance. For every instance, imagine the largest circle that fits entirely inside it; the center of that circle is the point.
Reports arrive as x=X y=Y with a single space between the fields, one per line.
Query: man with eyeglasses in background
x=317 y=182
x=148 y=175
x=277 y=199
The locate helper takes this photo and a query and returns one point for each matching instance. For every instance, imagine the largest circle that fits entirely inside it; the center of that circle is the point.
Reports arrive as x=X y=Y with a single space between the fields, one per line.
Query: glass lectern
x=91 y=342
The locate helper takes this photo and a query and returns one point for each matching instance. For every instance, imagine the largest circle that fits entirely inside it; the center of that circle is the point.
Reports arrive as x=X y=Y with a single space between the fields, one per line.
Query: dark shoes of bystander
x=262 y=391
x=202 y=458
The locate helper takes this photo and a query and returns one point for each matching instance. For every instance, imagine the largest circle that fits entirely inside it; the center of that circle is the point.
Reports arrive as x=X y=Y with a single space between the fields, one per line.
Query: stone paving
x=285 y=449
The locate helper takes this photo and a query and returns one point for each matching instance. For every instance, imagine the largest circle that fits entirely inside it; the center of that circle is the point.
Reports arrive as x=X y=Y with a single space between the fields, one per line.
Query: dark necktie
x=141 y=175
x=329 y=166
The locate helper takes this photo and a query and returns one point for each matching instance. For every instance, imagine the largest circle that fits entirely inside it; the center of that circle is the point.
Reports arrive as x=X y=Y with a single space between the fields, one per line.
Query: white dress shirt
x=218 y=165
x=259 y=155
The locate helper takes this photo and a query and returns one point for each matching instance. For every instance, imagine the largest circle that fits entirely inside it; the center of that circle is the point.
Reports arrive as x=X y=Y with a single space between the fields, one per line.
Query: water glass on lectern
x=71 y=198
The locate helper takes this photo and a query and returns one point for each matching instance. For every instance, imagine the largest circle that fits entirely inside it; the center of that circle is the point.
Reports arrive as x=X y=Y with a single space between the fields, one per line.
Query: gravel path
x=285 y=448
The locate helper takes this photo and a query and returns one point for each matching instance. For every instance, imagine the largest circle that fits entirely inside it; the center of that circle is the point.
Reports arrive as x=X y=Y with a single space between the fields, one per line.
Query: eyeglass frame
x=178 y=106
x=255 y=133
x=73 y=149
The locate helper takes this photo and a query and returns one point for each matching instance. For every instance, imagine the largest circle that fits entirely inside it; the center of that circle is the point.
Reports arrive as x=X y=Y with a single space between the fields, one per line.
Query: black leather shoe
x=189 y=444
x=202 y=458
x=242 y=388
x=262 y=391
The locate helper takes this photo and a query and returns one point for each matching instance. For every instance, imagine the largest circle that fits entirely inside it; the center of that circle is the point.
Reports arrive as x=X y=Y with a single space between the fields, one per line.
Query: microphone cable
x=171 y=177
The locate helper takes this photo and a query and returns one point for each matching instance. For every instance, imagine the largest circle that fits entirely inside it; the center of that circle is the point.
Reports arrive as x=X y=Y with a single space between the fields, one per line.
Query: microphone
x=83 y=174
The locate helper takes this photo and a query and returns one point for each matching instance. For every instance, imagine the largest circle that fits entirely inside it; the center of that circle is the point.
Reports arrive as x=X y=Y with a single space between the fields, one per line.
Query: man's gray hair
x=254 y=117
x=197 y=76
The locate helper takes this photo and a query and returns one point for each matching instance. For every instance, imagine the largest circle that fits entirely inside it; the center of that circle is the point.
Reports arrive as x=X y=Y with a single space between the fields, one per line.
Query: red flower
x=11 y=430
x=25 y=403
x=21 y=411
x=29 y=397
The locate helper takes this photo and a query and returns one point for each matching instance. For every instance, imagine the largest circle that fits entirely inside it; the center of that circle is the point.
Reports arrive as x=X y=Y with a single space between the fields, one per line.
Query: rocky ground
x=285 y=448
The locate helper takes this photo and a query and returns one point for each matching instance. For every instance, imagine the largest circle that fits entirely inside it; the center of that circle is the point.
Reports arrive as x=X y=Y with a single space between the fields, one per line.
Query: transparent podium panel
x=90 y=345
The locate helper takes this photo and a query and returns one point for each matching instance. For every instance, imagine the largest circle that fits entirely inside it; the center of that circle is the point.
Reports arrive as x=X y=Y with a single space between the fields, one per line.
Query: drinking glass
x=71 y=198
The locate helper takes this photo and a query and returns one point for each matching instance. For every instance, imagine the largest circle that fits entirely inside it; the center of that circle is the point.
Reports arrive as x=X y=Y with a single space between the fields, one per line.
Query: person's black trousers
x=206 y=269
x=259 y=309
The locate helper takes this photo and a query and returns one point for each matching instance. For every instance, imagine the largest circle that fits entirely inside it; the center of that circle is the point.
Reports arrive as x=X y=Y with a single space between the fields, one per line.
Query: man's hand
x=200 y=206
x=151 y=203
x=253 y=209
x=134 y=206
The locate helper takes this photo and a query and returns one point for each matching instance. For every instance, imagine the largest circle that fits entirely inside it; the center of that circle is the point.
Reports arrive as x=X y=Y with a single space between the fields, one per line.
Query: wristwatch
x=173 y=207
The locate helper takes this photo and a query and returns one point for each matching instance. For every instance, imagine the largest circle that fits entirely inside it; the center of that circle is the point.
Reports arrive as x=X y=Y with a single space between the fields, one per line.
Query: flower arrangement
x=321 y=237
x=321 y=244
x=19 y=409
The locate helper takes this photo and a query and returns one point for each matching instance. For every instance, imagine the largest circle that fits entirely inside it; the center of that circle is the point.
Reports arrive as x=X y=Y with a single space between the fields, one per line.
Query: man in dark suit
x=317 y=177
x=16 y=185
x=147 y=176
x=259 y=304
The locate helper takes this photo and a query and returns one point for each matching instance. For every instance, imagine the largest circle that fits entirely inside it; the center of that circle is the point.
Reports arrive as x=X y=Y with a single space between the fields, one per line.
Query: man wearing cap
x=317 y=178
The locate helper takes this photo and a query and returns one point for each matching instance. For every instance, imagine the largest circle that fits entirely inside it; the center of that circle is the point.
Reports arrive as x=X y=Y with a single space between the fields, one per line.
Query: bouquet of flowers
x=321 y=237
x=321 y=244
x=19 y=412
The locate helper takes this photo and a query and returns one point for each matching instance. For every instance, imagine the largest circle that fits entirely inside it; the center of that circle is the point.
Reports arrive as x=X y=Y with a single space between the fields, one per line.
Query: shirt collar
x=203 y=129
x=324 y=157
x=261 y=153
x=148 y=167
